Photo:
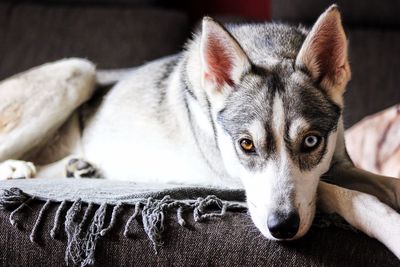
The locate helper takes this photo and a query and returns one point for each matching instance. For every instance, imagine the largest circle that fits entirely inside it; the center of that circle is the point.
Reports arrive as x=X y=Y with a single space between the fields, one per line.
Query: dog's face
x=276 y=124
x=277 y=132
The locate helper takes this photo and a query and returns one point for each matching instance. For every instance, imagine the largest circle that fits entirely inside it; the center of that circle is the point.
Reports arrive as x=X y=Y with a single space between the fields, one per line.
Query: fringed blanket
x=92 y=197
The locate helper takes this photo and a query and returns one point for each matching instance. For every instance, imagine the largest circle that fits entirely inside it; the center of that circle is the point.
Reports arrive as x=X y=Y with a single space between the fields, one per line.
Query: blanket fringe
x=179 y=217
x=12 y=198
x=202 y=204
x=73 y=251
x=83 y=232
x=54 y=232
x=116 y=211
x=90 y=241
x=12 y=219
x=38 y=221
x=130 y=220
x=85 y=218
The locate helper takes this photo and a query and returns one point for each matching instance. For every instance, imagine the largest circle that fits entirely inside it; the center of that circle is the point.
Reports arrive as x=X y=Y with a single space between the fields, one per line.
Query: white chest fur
x=129 y=139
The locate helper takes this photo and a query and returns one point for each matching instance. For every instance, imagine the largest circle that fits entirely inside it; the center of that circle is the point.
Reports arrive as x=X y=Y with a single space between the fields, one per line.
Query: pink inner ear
x=324 y=51
x=219 y=62
x=329 y=50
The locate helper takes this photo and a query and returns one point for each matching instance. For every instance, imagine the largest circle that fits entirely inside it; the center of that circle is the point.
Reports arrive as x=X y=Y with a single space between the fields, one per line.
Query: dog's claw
x=79 y=168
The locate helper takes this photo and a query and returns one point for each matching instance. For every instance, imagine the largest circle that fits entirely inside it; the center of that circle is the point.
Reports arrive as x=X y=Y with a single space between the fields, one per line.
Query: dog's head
x=276 y=103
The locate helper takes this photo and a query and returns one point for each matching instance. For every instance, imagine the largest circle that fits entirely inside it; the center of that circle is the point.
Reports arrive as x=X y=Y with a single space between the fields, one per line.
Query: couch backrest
x=113 y=36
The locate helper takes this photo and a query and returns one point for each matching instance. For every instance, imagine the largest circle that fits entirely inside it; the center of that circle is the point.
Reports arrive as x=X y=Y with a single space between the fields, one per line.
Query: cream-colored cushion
x=374 y=142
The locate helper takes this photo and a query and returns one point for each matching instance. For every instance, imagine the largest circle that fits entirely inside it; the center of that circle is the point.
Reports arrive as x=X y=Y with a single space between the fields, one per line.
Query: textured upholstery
x=383 y=13
x=112 y=37
x=231 y=241
x=375 y=83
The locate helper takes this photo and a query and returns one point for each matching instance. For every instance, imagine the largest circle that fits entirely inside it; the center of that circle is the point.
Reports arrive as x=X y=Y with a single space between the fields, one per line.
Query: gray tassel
x=179 y=216
x=201 y=204
x=85 y=217
x=93 y=235
x=13 y=221
x=133 y=216
x=117 y=209
x=39 y=219
x=54 y=232
x=12 y=198
x=73 y=250
x=153 y=220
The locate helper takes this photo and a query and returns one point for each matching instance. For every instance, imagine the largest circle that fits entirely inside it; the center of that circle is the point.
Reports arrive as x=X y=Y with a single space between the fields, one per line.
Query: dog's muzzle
x=283 y=225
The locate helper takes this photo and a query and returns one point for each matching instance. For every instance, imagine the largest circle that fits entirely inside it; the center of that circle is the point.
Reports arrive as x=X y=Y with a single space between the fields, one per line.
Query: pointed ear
x=223 y=60
x=324 y=53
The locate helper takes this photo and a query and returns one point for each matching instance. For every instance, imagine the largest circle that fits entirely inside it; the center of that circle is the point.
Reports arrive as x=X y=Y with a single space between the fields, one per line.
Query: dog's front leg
x=386 y=189
x=363 y=211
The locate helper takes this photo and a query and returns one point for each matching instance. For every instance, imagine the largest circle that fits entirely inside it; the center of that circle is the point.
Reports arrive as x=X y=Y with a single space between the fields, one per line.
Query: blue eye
x=310 y=142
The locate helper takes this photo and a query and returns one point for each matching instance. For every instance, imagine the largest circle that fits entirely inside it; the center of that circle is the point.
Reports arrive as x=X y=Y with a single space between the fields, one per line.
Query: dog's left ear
x=223 y=59
x=324 y=53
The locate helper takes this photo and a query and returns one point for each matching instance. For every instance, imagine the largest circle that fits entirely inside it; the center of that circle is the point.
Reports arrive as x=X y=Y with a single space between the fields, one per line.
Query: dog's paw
x=17 y=169
x=79 y=168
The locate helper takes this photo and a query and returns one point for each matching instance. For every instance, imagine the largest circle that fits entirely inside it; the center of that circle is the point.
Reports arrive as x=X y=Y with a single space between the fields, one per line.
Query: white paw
x=17 y=169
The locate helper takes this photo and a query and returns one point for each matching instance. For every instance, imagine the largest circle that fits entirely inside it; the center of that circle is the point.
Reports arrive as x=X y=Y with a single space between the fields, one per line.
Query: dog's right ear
x=324 y=53
x=223 y=59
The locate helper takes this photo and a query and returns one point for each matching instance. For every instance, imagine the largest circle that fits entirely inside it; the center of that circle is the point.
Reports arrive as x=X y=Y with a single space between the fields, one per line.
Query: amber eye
x=247 y=145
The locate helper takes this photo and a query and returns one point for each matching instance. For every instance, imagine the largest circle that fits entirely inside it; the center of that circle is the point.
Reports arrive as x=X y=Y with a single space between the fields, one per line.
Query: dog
x=253 y=106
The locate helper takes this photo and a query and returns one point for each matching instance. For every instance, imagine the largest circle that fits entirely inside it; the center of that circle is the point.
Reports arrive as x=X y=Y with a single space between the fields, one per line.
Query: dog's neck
x=340 y=155
x=200 y=115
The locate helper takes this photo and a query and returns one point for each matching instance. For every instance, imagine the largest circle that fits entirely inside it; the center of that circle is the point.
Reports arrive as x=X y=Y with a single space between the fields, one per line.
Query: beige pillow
x=374 y=142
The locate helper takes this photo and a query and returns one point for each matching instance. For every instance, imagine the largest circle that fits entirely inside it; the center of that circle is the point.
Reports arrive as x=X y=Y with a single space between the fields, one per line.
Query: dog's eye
x=310 y=142
x=247 y=145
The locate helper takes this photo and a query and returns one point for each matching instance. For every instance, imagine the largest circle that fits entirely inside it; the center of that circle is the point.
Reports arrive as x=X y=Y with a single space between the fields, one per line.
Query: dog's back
x=144 y=121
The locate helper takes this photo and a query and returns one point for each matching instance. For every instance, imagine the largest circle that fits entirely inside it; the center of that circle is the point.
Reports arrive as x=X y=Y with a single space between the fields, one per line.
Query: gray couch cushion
x=112 y=37
x=375 y=83
x=383 y=12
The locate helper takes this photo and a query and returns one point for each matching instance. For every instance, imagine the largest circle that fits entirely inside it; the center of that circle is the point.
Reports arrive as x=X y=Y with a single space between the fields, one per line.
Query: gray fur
x=253 y=98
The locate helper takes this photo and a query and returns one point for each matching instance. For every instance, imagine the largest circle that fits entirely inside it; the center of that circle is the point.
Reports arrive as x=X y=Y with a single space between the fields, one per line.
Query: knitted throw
x=153 y=202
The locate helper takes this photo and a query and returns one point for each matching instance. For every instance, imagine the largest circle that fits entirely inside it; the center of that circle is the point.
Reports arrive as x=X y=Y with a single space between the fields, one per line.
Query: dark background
x=126 y=33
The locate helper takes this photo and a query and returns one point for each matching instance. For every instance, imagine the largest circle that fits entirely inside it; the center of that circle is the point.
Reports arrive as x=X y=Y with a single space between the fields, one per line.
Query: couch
x=129 y=33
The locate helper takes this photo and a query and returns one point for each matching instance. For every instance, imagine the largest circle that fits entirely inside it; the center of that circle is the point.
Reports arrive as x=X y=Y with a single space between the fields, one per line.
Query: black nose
x=283 y=225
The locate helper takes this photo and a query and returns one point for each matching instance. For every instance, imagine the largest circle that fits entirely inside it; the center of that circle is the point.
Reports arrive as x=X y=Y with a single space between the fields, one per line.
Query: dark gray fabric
x=111 y=37
x=82 y=2
x=375 y=65
x=110 y=215
x=230 y=241
x=366 y=12
x=151 y=202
